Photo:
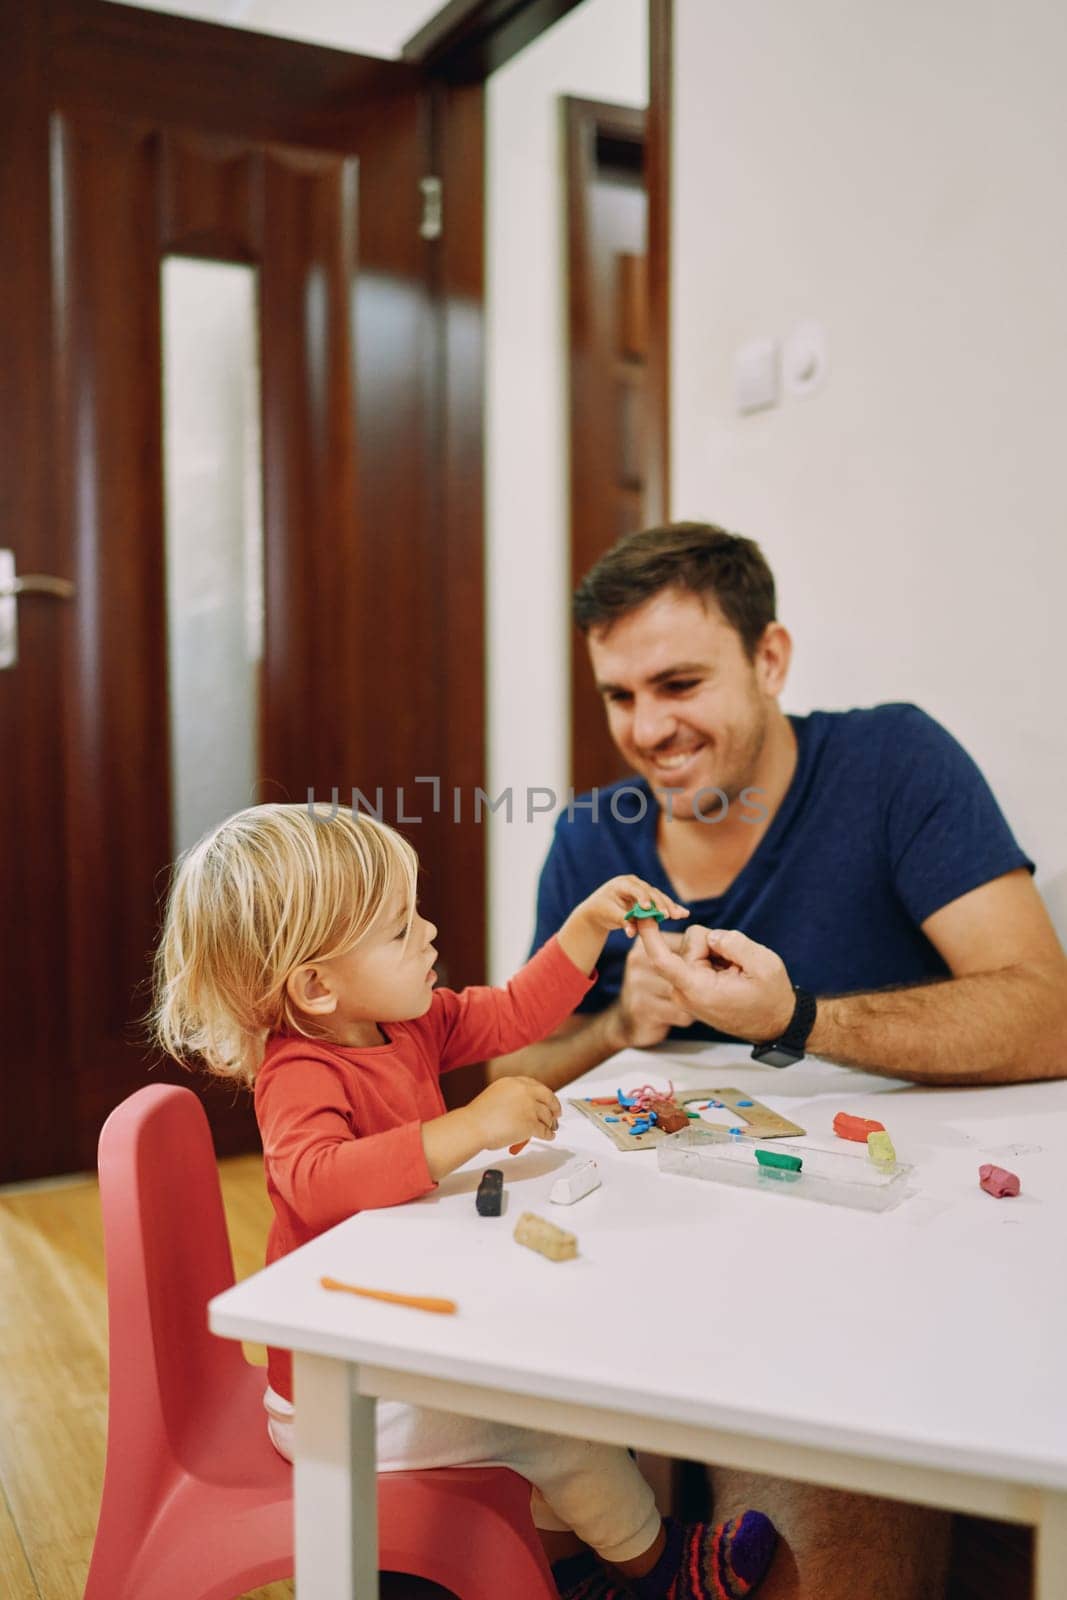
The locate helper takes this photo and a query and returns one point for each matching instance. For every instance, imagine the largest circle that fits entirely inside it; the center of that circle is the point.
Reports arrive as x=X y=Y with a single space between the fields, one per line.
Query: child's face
x=388 y=977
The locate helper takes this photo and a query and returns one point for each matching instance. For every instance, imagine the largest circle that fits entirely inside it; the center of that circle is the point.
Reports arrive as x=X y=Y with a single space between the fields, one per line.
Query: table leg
x=1050 y=1564
x=335 y=1484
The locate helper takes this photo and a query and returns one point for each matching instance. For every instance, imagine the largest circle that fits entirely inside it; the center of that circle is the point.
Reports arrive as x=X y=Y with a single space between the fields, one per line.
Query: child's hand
x=513 y=1110
x=607 y=907
x=582 y=935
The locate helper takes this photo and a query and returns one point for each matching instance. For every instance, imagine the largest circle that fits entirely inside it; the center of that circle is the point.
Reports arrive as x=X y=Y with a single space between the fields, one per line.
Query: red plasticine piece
x=856 y=1128
x=997 y=1181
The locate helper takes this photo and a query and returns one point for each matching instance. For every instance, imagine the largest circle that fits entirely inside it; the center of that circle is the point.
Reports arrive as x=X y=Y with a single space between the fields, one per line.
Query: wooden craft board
x=757 y=1120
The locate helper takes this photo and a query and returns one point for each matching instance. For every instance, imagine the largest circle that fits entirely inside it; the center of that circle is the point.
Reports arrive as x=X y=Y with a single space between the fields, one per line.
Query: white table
x=918 y=1353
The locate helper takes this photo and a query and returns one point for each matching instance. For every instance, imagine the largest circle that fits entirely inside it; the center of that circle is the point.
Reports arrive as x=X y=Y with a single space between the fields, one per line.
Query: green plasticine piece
x=645 y=911
x=777 y=1158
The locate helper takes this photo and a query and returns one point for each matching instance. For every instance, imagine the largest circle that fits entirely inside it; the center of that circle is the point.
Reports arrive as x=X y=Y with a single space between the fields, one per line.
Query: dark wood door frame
x=468 y=39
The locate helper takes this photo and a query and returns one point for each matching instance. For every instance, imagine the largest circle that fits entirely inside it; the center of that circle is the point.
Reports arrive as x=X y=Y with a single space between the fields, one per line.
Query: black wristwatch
x=790 y=1047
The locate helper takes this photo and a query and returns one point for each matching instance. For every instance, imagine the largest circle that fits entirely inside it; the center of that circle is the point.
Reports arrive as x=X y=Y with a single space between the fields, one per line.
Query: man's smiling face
x=686 y=707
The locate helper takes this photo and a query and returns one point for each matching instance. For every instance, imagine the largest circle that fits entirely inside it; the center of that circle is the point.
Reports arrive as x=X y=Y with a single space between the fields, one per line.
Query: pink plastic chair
x=197 y=1504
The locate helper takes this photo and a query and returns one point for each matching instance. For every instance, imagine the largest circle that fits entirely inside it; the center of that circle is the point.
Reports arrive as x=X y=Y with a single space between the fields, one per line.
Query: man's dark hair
x=695 y=556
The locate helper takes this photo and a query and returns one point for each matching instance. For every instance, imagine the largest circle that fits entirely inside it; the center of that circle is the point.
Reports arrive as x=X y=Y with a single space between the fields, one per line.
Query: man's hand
x=725 y=979
x=647 y=1007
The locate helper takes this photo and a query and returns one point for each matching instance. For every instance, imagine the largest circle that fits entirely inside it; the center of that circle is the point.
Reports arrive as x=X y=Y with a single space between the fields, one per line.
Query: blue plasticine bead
x=744 y=1102
x=611 y=1119
x=735 y=1133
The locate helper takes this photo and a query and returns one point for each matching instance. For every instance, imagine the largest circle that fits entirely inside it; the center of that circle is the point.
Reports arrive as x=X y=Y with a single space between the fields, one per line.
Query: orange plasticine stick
x=418 y=1301
x=847 y=1126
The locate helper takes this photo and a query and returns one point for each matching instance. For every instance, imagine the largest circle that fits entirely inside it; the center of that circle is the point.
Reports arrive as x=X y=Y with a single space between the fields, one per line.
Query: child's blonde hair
x=268 y=890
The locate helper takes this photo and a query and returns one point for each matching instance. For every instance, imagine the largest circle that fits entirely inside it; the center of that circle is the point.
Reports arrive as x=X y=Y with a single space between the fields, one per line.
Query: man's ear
x=773 y=655
x=309 y=993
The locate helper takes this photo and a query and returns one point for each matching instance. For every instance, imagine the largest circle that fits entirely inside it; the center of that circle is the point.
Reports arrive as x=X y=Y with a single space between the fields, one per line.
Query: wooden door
x=611 y=440
x=128 y=137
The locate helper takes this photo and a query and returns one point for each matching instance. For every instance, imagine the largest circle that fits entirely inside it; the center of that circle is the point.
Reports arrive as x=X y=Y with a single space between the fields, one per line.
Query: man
x=854 y=893
x=858 y=857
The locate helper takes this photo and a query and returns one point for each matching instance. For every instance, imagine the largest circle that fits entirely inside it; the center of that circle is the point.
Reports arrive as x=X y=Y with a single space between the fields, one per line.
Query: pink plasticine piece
x=997 y=1181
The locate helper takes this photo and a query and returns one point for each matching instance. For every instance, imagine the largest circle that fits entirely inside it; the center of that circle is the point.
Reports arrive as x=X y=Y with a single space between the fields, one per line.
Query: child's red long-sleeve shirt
x=341 y=1124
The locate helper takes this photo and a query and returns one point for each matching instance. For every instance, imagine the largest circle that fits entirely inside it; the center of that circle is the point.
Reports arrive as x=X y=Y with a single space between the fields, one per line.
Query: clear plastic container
x=831 y=1174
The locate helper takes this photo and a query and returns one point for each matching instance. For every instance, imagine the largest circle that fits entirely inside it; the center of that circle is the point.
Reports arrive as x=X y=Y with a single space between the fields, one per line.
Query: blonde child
x=294 y=961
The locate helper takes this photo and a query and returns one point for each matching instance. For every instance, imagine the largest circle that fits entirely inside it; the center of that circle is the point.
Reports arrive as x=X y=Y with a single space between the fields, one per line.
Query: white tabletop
x=932 y=1335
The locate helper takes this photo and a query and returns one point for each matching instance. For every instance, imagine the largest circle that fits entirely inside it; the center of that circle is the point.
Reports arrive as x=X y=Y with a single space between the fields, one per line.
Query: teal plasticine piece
x=778 y=1158
x=645 y=911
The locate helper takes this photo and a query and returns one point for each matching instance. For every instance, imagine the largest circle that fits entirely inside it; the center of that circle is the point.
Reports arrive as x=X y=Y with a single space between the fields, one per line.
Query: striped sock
x=700 y=1562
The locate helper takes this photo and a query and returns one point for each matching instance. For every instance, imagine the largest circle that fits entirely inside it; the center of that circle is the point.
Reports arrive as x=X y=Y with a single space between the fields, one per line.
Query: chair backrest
x=167 y=1253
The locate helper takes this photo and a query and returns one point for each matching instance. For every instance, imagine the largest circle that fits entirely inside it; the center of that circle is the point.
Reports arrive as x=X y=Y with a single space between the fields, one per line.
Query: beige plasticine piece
x=544 y=1237
x=880 y=1149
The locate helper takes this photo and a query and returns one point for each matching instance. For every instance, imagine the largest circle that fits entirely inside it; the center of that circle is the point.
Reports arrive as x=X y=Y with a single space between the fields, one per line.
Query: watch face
x=773 y=1055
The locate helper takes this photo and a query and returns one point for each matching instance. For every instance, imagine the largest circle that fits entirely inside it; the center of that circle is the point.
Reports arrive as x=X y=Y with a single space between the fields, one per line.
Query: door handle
x=11 y=588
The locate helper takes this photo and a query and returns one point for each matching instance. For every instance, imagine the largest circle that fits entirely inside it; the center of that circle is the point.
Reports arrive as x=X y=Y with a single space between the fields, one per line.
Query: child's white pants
x=593 y=1489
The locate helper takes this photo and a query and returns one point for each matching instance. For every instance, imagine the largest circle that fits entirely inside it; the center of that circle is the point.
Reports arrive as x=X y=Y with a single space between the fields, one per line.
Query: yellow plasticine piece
x=880 y=1149
x=544 y=1237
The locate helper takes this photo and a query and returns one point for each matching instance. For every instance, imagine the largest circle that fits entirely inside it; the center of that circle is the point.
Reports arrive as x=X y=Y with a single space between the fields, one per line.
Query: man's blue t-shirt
x=886 y=820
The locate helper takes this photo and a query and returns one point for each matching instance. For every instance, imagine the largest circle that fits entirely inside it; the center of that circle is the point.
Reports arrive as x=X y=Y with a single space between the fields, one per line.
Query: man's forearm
x=559 y=1060
x=991 y=1027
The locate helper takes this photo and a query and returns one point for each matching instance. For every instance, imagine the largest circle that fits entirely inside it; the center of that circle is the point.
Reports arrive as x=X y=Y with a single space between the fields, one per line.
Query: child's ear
x=309 y=993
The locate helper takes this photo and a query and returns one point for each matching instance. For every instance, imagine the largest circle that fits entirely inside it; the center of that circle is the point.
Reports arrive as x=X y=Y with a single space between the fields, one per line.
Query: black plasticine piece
x=490 y=1192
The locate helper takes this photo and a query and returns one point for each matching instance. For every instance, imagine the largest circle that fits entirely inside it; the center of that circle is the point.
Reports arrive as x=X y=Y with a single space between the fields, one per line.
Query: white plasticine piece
x=544 y=1237
x=575 y=1184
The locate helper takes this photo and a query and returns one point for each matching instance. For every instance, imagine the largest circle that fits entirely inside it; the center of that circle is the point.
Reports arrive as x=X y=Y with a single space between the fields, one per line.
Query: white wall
x=896 y=172
x=369 y=27
x=599 y=51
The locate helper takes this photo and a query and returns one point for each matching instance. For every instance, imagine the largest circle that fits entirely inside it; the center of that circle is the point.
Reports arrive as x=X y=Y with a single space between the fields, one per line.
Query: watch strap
x=795 y=1037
